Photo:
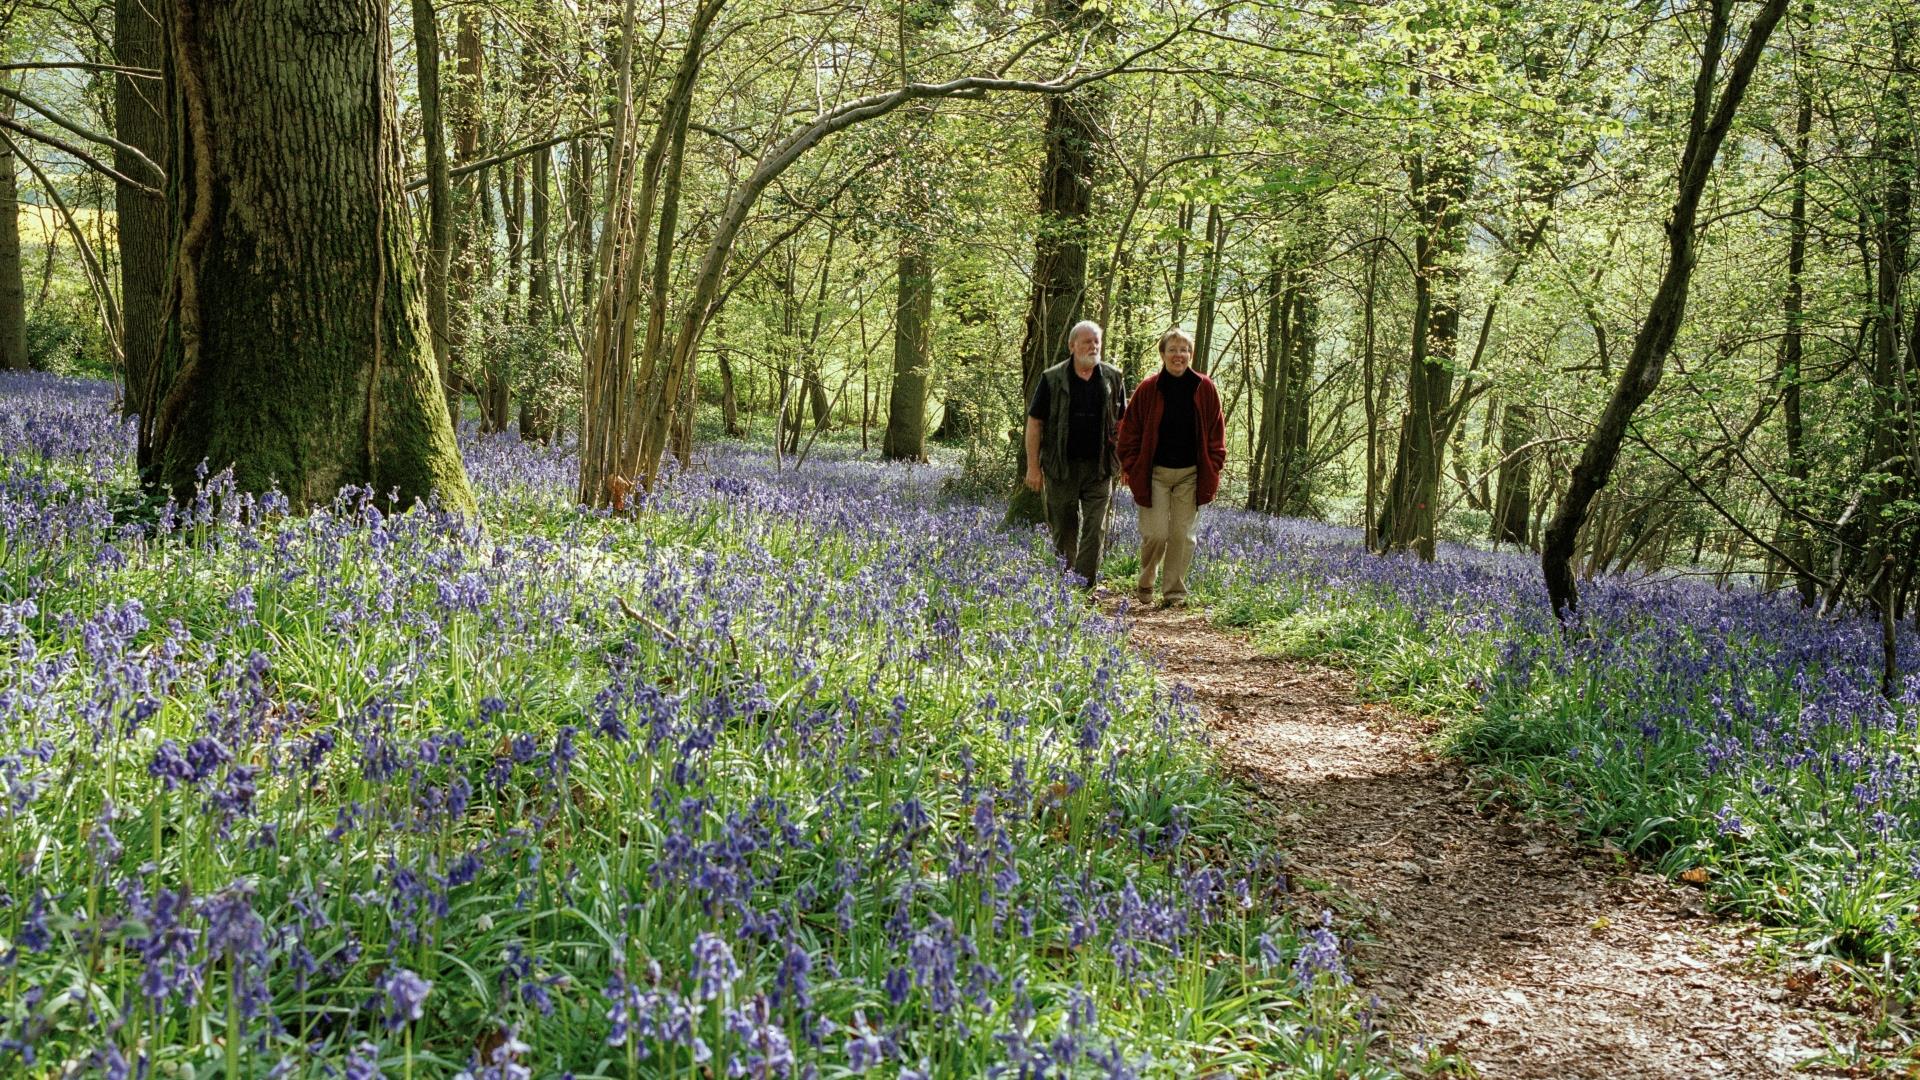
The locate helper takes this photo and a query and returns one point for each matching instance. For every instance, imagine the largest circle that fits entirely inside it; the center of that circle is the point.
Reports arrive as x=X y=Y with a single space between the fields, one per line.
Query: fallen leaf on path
x=1799 y=982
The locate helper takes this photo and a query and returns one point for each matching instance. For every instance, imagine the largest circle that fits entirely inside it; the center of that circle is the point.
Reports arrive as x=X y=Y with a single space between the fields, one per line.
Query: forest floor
x=1505 y=945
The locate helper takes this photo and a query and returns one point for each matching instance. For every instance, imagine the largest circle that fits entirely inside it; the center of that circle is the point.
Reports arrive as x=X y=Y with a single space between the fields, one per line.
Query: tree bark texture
x=906 y=434
x=1793 y=349
x=140 y=218
x=469 y=242
x=439 y=253
x=1060 y=253
x=13 y=288
x=297 y=350
x=1408 y=519
x=1203 y=318
x=536 y=414
x=1888 y=468
x=1277 y=481
x=1642 y=371
x=1513 y=493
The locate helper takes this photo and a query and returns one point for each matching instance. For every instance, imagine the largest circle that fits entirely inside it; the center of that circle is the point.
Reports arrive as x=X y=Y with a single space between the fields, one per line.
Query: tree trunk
x=1513 y=497
x=580 y=208
x=298 y=350
x=1295 y=492
x=1060 y=253
x=1878 y=535
x=1209 y=289
x=729 y=396
x=464 y=272
x=536 y=412
x=1177 y=290
x=139 y=218
x=1408 y=521
x=1261 y=455
x=818 y=403
x=1641 y=373
x=13 y=286
x=496 y=386
x=439 y=251
x=906 y=434
x=1369 y=307
x=1793 y=351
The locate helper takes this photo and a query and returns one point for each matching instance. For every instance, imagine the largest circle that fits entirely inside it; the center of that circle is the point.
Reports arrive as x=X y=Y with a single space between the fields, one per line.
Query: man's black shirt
x=1086 y=429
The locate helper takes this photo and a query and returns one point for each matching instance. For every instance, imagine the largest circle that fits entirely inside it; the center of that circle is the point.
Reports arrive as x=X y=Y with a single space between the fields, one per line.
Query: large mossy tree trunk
x=140 y=217
x=13 y=291
x=297 y=350
x=1060 y=249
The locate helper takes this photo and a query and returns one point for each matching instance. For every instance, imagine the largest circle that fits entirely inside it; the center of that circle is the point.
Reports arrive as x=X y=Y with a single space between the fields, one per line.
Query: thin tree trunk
x=140 y=219
x=580 y=211
x=1409 y=521
x=1295 y=492
x=1513 y=495
x=1261 y=454
x=1209 y=288
x=297 y=350
x=905 y=438
x=1368 y=307
x=729 y=398
x=1060 y=252
x=439 y=252
x=464 y=273
x=536 y=419
x=817 y=400
x=13 y=286
x=1793 y=349
x=1641 y=373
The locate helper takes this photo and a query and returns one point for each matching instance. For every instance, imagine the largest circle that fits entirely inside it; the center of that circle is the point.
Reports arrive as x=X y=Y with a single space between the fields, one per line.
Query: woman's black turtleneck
x=1178 y=446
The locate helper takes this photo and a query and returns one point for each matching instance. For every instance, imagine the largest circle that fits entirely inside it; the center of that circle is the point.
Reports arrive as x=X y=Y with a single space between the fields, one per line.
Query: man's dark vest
x=1053 y=440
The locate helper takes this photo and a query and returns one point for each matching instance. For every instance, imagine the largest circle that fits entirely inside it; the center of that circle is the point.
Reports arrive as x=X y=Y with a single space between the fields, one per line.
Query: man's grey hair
x=1073 y=335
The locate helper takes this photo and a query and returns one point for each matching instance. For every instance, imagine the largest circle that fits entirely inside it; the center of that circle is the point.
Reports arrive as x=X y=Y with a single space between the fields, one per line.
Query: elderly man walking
x=1072 y=426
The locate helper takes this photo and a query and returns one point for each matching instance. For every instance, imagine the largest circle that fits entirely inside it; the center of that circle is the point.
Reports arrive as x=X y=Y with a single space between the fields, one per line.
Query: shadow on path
x=1506 y=944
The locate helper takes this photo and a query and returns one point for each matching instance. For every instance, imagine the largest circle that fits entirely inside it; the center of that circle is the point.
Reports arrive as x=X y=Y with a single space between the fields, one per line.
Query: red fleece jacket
x=1140 y=433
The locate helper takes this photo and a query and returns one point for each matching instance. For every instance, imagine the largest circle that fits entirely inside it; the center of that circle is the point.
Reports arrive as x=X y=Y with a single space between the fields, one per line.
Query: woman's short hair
x=1175 y=334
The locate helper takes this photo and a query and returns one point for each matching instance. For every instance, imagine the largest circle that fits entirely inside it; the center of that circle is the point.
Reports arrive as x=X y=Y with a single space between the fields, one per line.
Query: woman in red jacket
x=1173 y=443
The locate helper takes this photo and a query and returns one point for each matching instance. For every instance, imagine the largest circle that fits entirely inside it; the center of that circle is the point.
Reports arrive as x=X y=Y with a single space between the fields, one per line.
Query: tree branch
x=89 y=135
x=118 y=69
x=505 y=156
x=85 y=158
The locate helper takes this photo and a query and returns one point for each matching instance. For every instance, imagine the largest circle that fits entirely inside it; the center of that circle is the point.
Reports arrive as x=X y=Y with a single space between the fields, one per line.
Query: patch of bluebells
x=790 y=773
x=1696 y=724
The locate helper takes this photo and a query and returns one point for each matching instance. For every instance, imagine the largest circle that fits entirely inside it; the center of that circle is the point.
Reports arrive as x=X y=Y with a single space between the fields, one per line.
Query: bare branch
x=503 y=157
x=89 y=160
x=89 y=135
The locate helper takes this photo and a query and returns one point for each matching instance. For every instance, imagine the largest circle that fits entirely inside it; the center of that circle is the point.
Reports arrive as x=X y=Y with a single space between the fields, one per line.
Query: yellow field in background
x=37 y=222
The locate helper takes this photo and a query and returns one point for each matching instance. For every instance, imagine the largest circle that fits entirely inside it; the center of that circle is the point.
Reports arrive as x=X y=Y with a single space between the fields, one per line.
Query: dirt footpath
x=1510 y=947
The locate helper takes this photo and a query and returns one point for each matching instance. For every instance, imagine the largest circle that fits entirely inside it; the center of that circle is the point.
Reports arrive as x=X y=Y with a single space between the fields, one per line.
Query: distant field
x=39 y=222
